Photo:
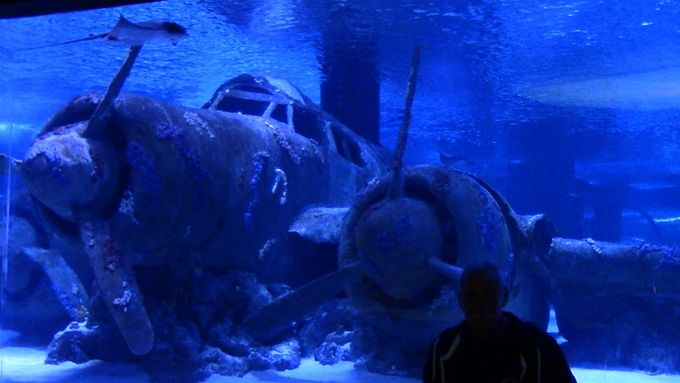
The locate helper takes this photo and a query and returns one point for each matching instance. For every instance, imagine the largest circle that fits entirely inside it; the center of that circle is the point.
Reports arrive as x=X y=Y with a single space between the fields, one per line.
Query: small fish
x=131 y=34
x=455 y=161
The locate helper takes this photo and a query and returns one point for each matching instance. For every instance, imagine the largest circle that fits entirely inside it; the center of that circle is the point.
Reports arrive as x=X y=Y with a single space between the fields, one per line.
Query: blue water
x=477 y=59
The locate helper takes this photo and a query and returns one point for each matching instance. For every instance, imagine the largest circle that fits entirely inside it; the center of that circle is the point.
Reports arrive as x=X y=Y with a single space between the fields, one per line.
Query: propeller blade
x=445 y=269
x=267 y=323
x=65 y=282
x=118 y=285
x=97 y=122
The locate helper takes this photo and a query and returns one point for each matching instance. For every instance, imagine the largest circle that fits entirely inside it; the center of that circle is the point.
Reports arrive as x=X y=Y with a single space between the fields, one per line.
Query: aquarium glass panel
x=339 y=191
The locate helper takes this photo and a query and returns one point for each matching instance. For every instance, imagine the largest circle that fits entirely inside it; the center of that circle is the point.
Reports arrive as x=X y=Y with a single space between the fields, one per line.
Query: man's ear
x=506 y=294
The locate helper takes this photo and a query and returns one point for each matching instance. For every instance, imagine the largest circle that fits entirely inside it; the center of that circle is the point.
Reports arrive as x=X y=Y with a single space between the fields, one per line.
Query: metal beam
x=28 y=8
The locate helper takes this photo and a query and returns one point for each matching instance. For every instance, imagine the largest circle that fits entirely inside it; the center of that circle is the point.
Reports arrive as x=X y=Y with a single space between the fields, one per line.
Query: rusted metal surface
x=162 y=184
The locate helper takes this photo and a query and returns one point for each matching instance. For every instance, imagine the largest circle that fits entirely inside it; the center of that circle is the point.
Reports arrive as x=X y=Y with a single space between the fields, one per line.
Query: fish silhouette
x=132 y=34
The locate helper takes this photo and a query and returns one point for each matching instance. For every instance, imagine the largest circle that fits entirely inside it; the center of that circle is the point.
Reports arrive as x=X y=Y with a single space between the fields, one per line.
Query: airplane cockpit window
x=347 y=147
x=246 y=99
x=279 y=112
x=308 y=124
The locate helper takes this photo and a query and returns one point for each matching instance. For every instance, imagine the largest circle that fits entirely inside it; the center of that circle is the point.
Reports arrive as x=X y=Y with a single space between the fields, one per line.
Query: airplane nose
x=64 y=170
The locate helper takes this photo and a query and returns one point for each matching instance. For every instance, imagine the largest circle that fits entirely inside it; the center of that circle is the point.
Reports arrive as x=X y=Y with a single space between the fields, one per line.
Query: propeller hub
x=394 y=240
x=63 y=170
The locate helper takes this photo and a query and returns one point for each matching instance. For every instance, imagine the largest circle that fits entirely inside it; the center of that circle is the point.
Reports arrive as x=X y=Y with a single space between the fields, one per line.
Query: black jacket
x=523 y=353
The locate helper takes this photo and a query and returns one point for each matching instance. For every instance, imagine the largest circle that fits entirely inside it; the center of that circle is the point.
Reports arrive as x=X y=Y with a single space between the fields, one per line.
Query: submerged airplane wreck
x=258 y=229
x=167 y=184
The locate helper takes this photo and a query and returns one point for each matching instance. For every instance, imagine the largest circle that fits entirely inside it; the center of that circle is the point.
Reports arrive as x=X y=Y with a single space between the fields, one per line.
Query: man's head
x=482 y=295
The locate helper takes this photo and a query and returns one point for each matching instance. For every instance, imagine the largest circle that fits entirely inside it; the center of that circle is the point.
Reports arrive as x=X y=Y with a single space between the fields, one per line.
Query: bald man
x=492 y=345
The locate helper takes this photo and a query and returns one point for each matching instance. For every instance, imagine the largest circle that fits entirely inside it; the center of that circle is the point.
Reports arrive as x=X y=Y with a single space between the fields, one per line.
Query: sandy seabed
x=20 y=364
